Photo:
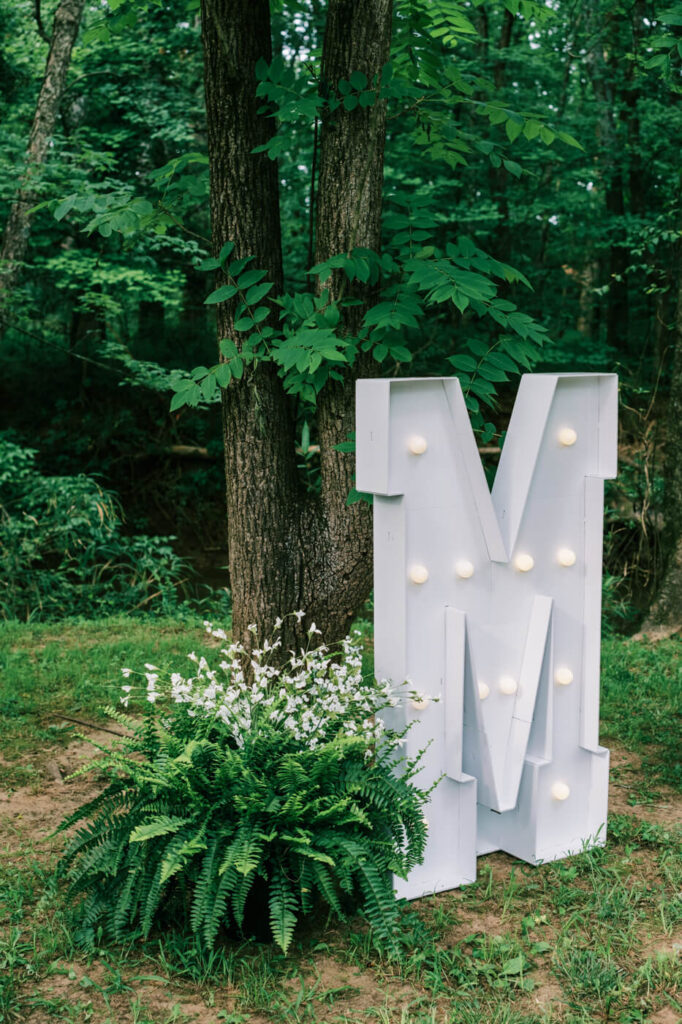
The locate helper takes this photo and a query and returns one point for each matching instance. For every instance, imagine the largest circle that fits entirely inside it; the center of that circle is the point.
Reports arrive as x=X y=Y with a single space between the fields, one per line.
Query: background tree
x=64 y=31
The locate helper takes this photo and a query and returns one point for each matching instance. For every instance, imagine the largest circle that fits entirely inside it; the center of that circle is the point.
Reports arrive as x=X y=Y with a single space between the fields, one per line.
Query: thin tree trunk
x=665 y=615
x=18 y=228
x=602 y=77
x=290 y=550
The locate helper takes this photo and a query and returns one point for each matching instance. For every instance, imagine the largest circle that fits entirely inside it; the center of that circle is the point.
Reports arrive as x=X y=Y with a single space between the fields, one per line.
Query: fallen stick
x=93 y=726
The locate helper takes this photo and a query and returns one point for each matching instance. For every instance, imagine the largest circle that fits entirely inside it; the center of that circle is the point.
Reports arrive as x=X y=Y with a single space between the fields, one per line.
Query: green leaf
x=223 y=375
x=65 y=207
x=228 y=348
x=514 y=966
x=350 y=102
x=358 y=80
x=250 y=277
x=257 y=292
x=225 y=252
x=222 y=294
x=463 y=362
x=513 y=128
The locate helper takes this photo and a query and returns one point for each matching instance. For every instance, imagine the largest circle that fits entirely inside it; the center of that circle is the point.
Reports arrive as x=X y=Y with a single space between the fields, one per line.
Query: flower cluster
x=314 y=697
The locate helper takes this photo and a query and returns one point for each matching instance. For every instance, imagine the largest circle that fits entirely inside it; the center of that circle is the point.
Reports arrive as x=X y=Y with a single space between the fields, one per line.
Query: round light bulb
x=563 y=676
x=464 y=569
x=560 y=791
x=416 y=444
x=419 y=574
x=483 y=691
x=524 y=563
x=566 y=557
x=508 y=685
x=419 y=705
x=567 y=436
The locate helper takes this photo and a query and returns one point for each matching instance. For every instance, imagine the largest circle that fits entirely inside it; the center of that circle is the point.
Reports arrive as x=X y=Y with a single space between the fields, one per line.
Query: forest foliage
x=531 y=220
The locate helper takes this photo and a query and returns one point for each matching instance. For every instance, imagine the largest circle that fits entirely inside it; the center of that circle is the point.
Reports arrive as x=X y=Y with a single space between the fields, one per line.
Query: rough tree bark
x=17 y=230
x=288 y=549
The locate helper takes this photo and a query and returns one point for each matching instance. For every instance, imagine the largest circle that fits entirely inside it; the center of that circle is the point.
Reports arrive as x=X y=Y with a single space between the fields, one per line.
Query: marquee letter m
x=491 y=602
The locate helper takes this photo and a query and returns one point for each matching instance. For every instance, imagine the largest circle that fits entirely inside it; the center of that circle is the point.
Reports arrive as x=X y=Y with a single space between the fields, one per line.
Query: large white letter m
x=492 y=603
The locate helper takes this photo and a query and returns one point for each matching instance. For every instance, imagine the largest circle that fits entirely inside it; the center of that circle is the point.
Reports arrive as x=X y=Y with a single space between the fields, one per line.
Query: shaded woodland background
x=105 y=310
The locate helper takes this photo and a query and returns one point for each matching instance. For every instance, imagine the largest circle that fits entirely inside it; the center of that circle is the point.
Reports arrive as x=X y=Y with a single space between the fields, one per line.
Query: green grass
x=73 y=669
x=641 y=703
x=587 y=939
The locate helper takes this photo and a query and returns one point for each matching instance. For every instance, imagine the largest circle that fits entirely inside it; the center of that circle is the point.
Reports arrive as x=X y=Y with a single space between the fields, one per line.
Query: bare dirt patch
x=625 y=781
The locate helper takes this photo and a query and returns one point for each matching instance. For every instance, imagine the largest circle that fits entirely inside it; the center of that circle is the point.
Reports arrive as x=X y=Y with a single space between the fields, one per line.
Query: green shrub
x=62 y=551
x=268 y=792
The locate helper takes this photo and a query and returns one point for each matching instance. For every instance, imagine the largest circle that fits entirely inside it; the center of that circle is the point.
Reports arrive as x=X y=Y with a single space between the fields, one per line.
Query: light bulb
x=567 y=436
x=563 y=676
x=419 y=574
x=419 y=705
x=464 y=568
x=508 y=685
x=524 y=563
x=560 y=791
x=566 y=557
x=483 y=690
x=416 y=444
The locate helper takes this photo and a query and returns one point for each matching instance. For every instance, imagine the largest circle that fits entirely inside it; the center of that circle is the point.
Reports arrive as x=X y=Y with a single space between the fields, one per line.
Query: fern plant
x=277 y=788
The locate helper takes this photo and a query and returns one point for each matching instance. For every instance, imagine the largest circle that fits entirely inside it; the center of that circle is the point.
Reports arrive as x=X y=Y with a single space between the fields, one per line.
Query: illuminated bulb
x=464 y=569
x=425 y=820
x=417 y=445
x=566 y=557
x=567 y=436
x=419 y=705
x=563 y=676
x=508 y=685
x=483 y=690
x=560 y=791
x=524 y=563
x=419 y=574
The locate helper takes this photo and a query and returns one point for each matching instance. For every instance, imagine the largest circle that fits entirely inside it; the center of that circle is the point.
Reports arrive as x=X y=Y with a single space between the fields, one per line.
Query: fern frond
x=283 y=907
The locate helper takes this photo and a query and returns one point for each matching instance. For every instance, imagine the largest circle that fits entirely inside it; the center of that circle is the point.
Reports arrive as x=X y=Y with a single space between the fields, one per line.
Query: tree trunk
x=263 y=497
x=17 y=230
x=601 y=74
x=357 y=38
x=665 y=615
x=290 y=550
